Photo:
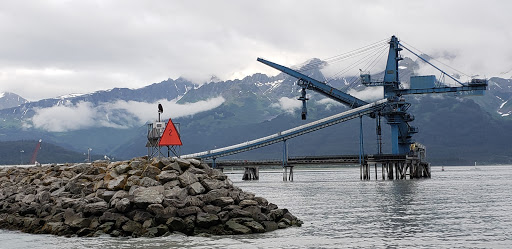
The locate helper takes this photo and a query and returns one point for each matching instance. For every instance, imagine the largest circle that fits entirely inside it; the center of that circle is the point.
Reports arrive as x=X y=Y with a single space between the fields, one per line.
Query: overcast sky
x=56 y=47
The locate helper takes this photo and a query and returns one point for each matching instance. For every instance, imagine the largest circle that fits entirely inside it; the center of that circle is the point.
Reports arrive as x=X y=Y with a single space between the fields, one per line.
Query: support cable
x=433 y=58
x=366 y=58
x=344 y=56
x=425 y=60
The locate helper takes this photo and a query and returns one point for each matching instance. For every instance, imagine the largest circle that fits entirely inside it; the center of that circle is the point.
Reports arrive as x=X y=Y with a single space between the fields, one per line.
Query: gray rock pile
x=133 y=198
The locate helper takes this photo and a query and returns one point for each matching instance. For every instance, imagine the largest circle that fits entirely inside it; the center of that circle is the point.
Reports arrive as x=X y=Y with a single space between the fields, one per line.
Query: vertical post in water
x=383 y=178
x=375 y=171
x=213 y=163
x=361 y=148
x=379 y=135
x=285 y=160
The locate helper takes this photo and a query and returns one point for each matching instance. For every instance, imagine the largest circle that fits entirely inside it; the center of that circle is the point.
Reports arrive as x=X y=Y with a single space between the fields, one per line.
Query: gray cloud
x=289 y=105
x=51 y=48
x=119 y=114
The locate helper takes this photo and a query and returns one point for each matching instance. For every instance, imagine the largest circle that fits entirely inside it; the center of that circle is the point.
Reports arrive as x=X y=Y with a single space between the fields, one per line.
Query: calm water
x=458 y=208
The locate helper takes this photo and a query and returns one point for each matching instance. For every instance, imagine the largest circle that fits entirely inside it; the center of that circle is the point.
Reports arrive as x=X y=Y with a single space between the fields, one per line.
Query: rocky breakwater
x=133 y=198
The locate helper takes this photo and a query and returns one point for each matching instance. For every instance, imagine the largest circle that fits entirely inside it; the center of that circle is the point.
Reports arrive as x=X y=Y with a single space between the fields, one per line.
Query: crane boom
x=396 y=112
x=318 y=86
x=466 y=88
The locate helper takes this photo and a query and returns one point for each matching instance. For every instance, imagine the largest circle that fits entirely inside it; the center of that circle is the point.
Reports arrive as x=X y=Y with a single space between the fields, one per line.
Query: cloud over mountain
x=118 y=114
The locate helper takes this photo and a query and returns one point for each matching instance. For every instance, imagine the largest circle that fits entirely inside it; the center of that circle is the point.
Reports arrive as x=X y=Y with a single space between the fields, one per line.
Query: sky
x=58 y=47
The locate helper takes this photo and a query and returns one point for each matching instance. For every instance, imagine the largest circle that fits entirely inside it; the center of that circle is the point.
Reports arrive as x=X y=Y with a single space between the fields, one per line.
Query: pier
x=391 y=166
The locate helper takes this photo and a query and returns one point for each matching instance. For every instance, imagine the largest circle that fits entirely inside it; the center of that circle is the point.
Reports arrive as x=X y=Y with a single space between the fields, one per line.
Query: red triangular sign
x=170 y=136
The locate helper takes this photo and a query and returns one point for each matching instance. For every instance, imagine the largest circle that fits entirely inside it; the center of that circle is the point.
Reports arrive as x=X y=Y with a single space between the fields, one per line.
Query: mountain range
x=456 y=130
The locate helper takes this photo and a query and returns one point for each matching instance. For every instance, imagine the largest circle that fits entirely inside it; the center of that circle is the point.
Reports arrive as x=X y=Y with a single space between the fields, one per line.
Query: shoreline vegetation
x=132 y=198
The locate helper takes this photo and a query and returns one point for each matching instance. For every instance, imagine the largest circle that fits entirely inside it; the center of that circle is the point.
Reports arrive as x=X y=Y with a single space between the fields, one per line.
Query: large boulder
x=196 y=188
x=149 y=195
x=117 y=183
x=223 y=201
x=151 y=171
x=237 y=228
x=206 y=220
x=166 y=176
x=211 y=184
x=96 y=208
x=187 y=179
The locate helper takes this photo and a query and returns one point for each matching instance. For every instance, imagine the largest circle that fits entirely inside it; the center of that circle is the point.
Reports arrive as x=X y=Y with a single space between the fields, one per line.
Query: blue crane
x=396 y=110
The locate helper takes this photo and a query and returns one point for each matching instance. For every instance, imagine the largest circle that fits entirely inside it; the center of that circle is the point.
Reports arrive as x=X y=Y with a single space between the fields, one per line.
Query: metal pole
x=285 y=153
x=379 y=135
x=361 y=147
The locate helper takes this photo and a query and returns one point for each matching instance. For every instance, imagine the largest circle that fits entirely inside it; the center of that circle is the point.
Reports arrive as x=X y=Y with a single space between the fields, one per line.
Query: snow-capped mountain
x=9 y=100
x=221 y=113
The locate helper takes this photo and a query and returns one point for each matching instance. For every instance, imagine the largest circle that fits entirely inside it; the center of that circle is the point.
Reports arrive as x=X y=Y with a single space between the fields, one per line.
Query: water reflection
x=399 y=215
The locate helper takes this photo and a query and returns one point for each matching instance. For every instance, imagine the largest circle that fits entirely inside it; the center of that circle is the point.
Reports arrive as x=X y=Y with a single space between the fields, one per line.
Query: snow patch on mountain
x=72 y=95
x=9 y=100
x=502 y=104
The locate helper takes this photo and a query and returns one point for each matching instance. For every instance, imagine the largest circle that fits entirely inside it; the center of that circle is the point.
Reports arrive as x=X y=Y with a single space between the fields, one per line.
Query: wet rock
x=235 y=213
x=261 y=201
x=269 y=225
x=211 y=209
x=186 y=211
x=237 y=228
x=157 y=231
x=106 y=227
x=96 y=208
x=246 y=203
x=255 y=226
x=206 y=220
x=276 y=214
x=140 y=216
x=223 y=201
x=132 y=226
x=176 y=224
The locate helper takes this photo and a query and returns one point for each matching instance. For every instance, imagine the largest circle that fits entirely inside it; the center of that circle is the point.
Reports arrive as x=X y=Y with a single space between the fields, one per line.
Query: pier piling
x=251 y=173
